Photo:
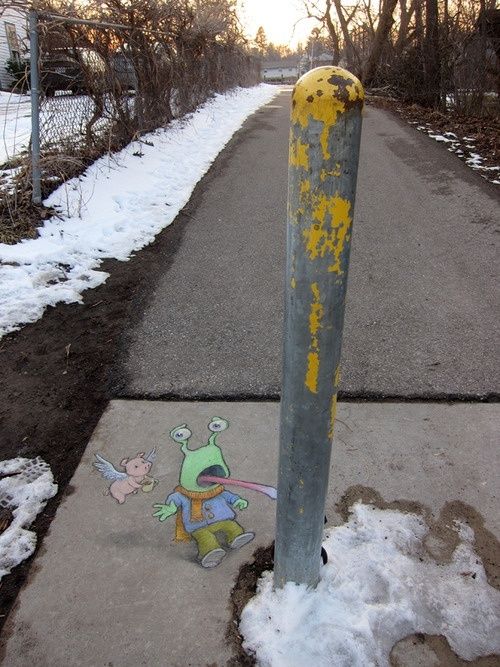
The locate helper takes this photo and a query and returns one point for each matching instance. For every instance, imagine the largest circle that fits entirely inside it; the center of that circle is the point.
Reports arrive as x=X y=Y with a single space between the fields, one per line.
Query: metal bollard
x=324 y=147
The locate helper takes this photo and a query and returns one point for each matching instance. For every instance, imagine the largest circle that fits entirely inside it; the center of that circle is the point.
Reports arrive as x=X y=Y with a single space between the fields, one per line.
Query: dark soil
x=59 y=373
x=19 y=217
x=243 y=590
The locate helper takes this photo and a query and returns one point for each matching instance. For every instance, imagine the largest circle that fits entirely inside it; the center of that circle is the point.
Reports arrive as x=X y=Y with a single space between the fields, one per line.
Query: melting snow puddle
x=379 y=586
x=25 y=487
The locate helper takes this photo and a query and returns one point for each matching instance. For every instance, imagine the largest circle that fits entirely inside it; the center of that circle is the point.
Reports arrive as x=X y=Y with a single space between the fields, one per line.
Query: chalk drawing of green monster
x=203 y=507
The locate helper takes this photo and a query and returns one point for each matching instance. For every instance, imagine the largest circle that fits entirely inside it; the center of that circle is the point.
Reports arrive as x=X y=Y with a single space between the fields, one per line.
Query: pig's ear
x=124 y=462
x=140 y=455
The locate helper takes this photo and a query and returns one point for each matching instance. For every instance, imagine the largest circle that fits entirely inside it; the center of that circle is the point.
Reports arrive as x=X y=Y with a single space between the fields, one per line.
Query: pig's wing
x=108 y=470
x=151 y=457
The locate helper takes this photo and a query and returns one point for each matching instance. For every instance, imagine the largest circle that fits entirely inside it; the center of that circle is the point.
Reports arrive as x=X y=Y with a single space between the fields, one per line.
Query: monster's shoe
x=213 y=558
x=241 y=540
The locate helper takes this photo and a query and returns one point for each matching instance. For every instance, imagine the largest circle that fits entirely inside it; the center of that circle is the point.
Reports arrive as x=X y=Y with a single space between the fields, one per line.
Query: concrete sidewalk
x=111 y=588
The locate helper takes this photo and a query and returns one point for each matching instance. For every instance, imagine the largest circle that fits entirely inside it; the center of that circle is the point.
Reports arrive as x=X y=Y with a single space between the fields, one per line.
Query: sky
x=278 y=18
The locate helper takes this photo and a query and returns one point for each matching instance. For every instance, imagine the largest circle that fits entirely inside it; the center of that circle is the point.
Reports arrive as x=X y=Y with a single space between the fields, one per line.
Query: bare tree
x=351 y=55
x=432 y=68
x=323 y=15
x=364 y=31
x=382 y=32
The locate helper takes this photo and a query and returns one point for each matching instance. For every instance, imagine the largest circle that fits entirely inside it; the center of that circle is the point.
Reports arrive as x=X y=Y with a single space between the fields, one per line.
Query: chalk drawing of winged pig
x=134 y=477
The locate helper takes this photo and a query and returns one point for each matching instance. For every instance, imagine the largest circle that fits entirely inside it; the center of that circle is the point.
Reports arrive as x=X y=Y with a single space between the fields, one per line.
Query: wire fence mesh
x=102 y=85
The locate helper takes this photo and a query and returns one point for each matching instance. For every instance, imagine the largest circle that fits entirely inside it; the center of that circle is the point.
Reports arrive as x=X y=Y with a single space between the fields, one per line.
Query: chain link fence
x=96 y=86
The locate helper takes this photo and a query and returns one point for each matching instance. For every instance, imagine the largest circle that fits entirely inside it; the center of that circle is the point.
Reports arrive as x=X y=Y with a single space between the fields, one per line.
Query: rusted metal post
x=324 y=146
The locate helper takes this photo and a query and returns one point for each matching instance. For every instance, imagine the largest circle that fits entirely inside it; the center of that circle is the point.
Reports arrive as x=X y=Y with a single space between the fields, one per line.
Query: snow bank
x=116 y=208
x=25 y=492
x=378 y=587
x=15 y=124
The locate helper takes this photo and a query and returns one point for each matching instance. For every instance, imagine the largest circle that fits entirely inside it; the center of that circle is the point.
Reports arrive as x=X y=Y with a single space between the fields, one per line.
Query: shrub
x=19 y=71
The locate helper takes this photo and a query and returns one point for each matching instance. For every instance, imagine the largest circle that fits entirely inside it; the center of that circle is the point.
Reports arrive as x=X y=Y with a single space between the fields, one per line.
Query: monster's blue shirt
x=218 y=508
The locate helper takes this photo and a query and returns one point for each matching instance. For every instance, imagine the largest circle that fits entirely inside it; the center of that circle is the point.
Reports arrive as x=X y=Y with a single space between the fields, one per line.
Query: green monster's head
x=206 y=460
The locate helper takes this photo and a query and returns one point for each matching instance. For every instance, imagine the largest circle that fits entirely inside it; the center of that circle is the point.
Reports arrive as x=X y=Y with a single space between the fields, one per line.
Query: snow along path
x=379 y=586
x=15 y=125
x=117 y=207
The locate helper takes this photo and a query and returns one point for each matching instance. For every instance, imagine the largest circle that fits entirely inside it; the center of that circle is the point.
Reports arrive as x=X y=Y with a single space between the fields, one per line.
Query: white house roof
x=281 y=64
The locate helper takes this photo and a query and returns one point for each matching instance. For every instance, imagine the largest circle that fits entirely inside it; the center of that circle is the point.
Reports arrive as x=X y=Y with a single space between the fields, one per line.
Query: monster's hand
x=240 y=504
x=164 y=511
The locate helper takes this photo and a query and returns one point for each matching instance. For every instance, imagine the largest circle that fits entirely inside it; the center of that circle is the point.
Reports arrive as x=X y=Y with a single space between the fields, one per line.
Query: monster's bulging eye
x=180 y=434
x=217 y=424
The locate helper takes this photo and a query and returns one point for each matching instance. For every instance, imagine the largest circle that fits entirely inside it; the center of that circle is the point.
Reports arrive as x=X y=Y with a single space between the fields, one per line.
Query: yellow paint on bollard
x=322 y=95
x=324 y=174
x=312 y=372
x=329 y=230
x=299 y=154
x=305 y=187
x=316 y=313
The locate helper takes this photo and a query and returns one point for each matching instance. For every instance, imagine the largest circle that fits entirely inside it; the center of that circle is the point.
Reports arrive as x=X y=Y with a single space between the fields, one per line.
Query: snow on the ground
x=68 y=113
x=379 y=586
x=117 y=207
x=27 y=486
x=15 y=124
x=464 y=149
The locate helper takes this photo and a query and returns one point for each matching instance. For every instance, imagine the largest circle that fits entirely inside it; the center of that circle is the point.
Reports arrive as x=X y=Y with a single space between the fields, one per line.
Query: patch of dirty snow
x=379 y=586
x=25 y=487
x=464 y=148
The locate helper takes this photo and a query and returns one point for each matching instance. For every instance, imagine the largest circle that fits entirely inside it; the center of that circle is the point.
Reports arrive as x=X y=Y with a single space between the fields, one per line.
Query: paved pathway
x=423 y=294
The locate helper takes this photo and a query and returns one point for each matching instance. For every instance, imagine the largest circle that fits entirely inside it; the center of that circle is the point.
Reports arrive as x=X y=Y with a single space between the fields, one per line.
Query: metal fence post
x=324 y=146
x=35 y=109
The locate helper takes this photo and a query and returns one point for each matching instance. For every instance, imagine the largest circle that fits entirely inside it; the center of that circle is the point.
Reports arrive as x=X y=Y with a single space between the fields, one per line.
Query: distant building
x=13 y=41
x=312 y=60
x=323 y=59
x=282 y=71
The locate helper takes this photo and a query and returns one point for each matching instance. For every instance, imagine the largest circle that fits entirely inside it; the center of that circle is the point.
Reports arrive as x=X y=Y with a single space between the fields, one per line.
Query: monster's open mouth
x=211 y=471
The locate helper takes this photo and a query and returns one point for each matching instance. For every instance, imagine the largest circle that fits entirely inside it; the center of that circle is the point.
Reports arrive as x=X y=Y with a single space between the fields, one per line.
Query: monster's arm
x=237 y=502
x=163 y=511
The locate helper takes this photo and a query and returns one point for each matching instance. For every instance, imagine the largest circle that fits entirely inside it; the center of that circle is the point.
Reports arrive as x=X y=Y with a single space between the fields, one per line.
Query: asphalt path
x=422 y=303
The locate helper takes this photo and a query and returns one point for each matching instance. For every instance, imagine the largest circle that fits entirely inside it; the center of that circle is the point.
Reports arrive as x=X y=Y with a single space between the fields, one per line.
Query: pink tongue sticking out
x=228 y=481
